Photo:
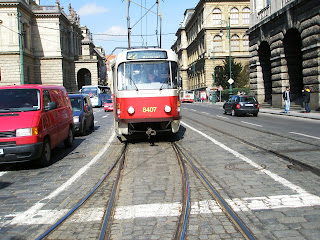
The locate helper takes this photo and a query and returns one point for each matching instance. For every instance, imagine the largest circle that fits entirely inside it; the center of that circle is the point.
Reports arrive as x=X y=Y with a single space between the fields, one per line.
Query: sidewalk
x=278 y=111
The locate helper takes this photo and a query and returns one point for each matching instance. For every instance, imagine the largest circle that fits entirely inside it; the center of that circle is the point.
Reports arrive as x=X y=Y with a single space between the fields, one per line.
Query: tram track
x=231 y=215
x=69 y=214
x=182 y=219
x=279 y=154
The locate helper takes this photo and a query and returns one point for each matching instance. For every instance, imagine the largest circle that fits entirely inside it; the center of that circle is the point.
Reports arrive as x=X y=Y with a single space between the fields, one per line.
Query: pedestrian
x=306 y=99
x=286 y=98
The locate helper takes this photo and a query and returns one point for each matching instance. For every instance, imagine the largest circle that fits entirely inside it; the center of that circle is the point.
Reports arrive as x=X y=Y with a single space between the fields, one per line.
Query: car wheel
x=45 y=158
x=92 y=125
x=255 y=114
x=233 y=112
x=84 y=128
x=69 y=140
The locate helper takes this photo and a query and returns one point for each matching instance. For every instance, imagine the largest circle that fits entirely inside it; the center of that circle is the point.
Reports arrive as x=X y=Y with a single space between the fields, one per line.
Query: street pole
x=214 y=79
x=194 y=82
x=21 y=49
x=230 y=89
x=128 y=23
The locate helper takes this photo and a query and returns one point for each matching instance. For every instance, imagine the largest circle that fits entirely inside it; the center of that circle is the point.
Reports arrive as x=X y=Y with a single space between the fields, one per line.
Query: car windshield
x=91 y=91
x=247 y=99
x=109 y=101
x=76 y=104
x=19 y=100
x=147 y=75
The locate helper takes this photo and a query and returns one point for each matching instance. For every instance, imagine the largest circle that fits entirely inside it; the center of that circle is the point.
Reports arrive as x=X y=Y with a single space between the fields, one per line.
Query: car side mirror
x=51 y=106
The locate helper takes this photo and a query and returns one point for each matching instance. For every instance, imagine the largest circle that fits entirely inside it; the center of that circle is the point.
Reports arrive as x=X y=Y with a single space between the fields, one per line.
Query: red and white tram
x=146 y=92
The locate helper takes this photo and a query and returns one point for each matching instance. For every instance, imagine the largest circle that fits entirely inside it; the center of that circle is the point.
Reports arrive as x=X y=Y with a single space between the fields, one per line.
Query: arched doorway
x=83 y=77
x=292 y=50
x=265 y=63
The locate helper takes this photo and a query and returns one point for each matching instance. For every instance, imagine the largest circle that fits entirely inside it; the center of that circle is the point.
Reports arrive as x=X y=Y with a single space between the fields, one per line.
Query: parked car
x=34 y=119
x=82 y=113
x=108 y=105
x=241 y=105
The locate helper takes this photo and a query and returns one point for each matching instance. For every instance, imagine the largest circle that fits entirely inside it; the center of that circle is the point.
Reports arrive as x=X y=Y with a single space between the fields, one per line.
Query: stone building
x=203 y=40
x=90 y=66
x=42 y=45
x=285 y=50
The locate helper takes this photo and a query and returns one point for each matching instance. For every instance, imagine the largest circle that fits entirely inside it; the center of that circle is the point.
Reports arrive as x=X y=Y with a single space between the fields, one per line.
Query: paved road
x=275 y=201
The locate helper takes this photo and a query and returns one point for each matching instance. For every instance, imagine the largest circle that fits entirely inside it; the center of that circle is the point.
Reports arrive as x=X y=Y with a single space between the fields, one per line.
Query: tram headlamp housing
x=167 y=109
x=131 y=110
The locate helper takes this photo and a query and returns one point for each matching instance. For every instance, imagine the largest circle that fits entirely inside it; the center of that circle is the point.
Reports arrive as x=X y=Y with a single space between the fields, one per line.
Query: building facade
x=209 y=33
x=285 y=50
x=90 y=66
x=42 y=45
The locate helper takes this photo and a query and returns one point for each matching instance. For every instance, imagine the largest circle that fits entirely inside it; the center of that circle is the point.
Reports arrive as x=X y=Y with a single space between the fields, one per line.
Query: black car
x=82 y=113
x=241 y=105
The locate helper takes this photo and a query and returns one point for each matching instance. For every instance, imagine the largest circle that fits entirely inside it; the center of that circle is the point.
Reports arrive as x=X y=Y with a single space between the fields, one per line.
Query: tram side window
x=174 y=72
x=121 y=77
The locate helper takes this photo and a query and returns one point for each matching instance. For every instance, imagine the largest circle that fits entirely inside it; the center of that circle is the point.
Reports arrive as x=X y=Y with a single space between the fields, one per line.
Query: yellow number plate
x=149 y=109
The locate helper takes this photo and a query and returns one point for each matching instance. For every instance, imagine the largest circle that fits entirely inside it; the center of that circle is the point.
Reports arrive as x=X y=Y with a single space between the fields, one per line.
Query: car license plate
x=249 y=105
x=1 y=152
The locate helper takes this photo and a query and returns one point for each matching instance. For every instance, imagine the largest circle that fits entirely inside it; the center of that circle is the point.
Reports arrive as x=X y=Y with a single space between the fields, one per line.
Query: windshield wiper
x=133 y=83
x=163 y=84
x=11 y=110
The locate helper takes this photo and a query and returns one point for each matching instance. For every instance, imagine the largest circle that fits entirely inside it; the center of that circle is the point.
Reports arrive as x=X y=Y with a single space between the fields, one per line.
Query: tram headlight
x=131 y=110
x=167 y=109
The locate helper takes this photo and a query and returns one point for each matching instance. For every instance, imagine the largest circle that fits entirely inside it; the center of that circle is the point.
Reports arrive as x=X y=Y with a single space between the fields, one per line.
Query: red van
x=33 y=120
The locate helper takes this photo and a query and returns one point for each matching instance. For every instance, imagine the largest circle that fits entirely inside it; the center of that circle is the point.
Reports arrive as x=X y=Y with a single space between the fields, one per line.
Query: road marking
x=257 y=125
x=274 y=176
x=105 y=116
x=173 y=209
x=33 y=211
x=2 y=173
x=95 y=122
x=205 y=113
x=305 y=135
x=222 y=117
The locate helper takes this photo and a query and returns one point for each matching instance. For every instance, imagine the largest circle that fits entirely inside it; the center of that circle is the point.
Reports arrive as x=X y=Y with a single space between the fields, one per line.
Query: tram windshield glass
x=147 y=75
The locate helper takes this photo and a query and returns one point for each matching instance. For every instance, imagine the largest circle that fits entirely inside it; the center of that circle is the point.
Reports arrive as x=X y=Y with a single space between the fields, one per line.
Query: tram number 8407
x=149 y=109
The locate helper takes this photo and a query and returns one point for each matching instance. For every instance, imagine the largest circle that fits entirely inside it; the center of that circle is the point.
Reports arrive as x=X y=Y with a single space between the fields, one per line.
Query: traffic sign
x=230 y=81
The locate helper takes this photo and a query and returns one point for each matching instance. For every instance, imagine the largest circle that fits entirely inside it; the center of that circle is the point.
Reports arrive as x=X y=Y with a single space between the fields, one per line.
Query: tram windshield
x=147 y=75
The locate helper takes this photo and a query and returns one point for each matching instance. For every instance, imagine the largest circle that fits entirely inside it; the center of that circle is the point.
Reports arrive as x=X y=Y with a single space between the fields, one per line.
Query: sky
x=107 y=20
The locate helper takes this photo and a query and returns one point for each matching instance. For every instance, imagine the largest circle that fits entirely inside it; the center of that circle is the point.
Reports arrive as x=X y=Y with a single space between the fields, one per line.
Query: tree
x=238 y=74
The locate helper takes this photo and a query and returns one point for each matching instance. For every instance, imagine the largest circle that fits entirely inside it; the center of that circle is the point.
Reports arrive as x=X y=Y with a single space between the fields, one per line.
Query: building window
x=245 y=15
x=245 y=43
x=217 y=43
x=234 y=16
x=235 y=43
x=216 y=16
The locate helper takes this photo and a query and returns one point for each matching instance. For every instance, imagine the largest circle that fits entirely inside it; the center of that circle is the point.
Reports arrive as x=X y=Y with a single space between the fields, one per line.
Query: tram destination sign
x=133 y=55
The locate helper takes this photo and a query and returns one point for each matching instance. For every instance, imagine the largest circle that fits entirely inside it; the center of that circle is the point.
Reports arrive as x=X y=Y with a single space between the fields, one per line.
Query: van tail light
x=238 y=106
x=258 y=105
x=85 y=107
x=118 y=109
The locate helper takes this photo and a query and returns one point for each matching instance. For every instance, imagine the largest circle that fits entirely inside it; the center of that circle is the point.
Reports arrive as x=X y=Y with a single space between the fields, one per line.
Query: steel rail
x=303 y=165
x=111 y=200
x=61 y=220
x=183 y=220
x=223 y=204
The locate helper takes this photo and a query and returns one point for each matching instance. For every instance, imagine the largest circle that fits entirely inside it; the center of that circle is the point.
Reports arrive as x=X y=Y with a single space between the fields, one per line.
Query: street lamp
x=230 y=81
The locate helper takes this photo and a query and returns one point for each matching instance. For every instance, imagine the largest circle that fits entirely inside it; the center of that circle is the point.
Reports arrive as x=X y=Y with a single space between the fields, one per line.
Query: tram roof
x=122 y=56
